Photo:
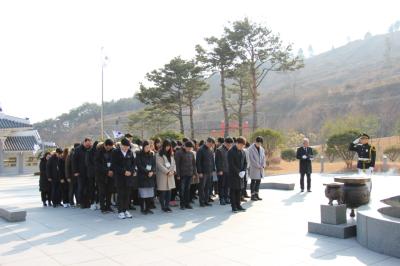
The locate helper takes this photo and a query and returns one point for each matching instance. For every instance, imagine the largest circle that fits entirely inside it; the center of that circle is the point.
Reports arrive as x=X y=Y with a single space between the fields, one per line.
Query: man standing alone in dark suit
x=305 y=156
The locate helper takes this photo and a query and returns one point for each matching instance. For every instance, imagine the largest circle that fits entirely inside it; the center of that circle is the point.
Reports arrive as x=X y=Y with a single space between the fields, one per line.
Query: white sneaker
x=128 y=215
x=121 y=215
x=65 y=205
x=93 y=207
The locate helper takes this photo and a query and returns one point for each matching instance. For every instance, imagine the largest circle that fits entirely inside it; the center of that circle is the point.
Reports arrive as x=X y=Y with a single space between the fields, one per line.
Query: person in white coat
x=257 y=166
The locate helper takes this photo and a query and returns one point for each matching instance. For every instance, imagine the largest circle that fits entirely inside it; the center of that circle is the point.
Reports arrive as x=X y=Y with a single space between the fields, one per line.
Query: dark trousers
x=176 y=191
x=308 y=180
x=204 y=188
x=83 y=197
x=185 y=190
x=235 y=198
x=64 y=192
x=46 y=196
x=223 y=188
x=92 y=190
x=72 y=190
x=255 y=186
x=56 y=191
x=244 y=192
x=193 y=189
x=123 y=191
x=145 y=204
x=165 y=197
x=105 y=188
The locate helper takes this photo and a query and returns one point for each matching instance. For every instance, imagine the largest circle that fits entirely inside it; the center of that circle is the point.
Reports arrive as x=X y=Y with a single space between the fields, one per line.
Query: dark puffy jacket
x=185 y=163
x=221 y=159
x=142 y=161
x=120 y=164
x=44 y=184
x=68 y=167
x=205 y=161
x=102 y=163
x=79 y=163
x=52 y=168
x=90 y=160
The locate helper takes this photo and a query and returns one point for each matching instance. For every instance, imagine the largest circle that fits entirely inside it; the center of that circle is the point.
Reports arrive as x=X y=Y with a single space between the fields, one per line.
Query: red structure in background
x=233 y=129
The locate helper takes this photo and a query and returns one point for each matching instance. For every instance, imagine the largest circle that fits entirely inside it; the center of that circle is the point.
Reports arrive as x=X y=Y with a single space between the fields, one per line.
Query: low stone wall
x=378 y=232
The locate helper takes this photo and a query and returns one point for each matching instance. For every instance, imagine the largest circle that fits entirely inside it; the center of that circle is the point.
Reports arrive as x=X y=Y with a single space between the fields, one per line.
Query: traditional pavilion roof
x=6 y=123
x=20 y=143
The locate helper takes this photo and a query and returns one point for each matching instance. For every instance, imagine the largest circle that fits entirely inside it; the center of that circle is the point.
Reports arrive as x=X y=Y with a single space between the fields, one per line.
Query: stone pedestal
x=12 y=215
x=334 y=230
x=333 y=223
x=333 y=214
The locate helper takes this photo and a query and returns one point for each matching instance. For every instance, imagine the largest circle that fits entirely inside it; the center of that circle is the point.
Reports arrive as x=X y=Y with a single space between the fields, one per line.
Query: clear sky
x=50 y=50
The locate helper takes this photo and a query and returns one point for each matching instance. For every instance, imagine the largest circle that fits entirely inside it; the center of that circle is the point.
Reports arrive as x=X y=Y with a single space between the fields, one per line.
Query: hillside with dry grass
x=360 y=78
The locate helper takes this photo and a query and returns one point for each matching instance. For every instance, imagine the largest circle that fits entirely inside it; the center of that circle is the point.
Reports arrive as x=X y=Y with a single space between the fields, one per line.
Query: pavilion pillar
x=20 y=162
x=1 y=156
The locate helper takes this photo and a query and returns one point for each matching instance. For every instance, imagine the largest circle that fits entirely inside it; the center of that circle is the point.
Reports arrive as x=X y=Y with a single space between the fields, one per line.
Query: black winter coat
x=120 y=164
x=305 y=165
x=185 y=163
x=91 y=159
x=102 y=164
x=142 y=161
x=44 y=184
x=53 y=169
x=237 y=163
x=79 y=162
x=205 y=162
x=221 y=159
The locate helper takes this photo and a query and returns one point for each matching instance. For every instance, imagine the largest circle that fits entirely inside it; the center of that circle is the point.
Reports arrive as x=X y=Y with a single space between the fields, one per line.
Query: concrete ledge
x=276 y=185
x=339 y=231
x=13 y=215
x=379 y=232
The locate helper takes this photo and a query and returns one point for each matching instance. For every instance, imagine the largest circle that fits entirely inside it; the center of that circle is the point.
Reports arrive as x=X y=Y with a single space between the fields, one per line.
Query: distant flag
x=108 y=136
x=117 y=134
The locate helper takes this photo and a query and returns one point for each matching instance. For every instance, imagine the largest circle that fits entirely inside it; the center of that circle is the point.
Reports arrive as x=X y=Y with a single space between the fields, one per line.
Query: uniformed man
x=366 y=154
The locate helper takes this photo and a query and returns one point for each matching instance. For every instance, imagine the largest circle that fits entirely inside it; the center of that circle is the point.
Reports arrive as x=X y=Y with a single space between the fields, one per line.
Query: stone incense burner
x=356 y=191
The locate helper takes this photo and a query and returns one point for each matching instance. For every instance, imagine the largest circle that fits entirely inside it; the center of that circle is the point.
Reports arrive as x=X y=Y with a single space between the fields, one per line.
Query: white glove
x=242 y=174
x=356 y=141
x=304 y=157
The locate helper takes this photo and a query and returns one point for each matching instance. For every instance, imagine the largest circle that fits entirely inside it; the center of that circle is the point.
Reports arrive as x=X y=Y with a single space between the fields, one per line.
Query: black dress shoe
x=169 y=209
x=235 y=211
x=258 y=198
x=302 y=190
x=242 y=199
x=241 y=209
x=253 y=198
x=182 y=208
x=309 y=190
x=202 y=204
x=150 y=212
x=188 y=207
x=207 y=204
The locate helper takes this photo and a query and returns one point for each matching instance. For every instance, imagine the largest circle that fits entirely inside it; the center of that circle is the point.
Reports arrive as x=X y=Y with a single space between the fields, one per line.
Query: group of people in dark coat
x=117 y=176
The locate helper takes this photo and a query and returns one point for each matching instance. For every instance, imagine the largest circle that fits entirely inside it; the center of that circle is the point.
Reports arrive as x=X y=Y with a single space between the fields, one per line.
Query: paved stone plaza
x=271 y=232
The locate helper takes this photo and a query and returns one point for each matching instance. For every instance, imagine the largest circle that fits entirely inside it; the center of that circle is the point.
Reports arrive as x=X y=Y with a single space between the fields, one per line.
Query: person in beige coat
x=165 y=171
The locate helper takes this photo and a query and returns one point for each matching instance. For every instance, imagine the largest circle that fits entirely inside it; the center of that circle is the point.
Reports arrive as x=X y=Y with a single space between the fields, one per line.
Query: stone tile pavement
x=271 y=232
